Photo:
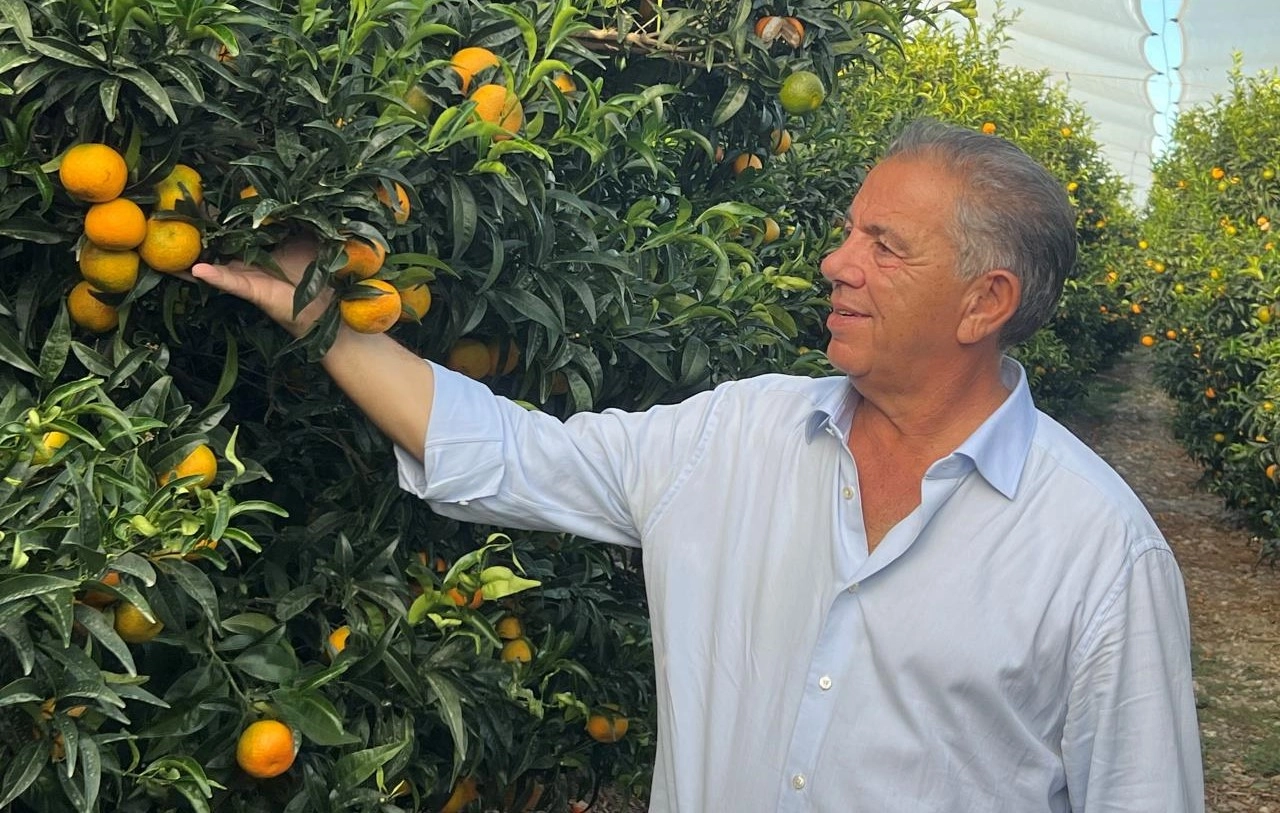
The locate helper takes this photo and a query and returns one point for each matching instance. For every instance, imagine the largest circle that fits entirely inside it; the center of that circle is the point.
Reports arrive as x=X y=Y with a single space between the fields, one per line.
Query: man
x=900 y=589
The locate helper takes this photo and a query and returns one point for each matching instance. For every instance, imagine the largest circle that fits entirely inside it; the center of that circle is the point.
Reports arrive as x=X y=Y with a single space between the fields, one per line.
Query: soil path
x=1234 y=601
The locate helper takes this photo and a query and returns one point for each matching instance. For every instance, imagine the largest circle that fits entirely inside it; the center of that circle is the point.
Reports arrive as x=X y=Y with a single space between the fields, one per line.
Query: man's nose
x=842 y=264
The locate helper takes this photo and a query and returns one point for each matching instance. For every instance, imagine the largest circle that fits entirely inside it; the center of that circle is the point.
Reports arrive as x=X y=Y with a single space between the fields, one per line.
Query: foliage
x=1210 y=274
x=604 y=239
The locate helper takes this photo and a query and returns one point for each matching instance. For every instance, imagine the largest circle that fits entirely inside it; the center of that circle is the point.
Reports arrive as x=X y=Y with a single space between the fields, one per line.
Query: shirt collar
x=998 y=448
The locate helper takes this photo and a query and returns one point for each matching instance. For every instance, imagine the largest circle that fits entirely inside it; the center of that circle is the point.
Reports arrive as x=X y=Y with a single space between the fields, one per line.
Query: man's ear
x=989 y=302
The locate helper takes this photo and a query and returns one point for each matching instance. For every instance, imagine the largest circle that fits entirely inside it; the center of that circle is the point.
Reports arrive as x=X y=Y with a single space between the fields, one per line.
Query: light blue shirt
x=1018 y=643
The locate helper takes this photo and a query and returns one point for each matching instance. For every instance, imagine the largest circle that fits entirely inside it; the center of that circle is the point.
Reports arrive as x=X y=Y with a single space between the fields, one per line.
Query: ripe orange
x=1171 y=334
x=93 y=172
x=50 y=442
x=101 y=598
x=112 y=271
x=772 y=231
x=364 y=259
x=170 y=245
x=400 y=207
x=518 y=650
x=779 y=141
x=416 y=301
x=509 y=628
x=989 y=127
x=565 y=83
x=460 y=599
x=469 y=357
x=802 y=92
x=470 y=61
x=169 y=190
x=90 y=312
x=1148 y=340
x=464 y=793
x=607 y=728
x=338 y=640
x=372 y=314
x=200 y=461
x=508 y=360
x=788 y=29
x=133 y=627
x=116 y=225
x=1271 y=471
x=1210 y=393
x=497 y=105
x=266 y=749
x=746 y=161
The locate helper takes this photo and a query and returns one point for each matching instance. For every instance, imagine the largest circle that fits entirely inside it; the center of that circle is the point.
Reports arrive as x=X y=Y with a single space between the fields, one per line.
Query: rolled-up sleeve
x=487 y=459
x=1131 y=741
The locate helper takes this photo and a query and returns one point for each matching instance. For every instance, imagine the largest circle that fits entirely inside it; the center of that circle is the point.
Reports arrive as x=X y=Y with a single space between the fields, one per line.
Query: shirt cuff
x=462 y=458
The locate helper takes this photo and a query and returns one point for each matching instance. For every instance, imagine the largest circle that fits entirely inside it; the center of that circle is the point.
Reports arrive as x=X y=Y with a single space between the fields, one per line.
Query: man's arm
x=390 y=384
x=1131 y=741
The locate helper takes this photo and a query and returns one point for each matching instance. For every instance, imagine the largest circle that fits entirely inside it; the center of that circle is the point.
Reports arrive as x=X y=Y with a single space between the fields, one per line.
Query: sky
x=1164 y=53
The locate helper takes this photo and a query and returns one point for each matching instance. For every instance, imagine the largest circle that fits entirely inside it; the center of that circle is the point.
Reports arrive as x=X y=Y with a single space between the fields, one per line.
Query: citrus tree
x=214 y=594
x=1209 y=270
x=956 y=76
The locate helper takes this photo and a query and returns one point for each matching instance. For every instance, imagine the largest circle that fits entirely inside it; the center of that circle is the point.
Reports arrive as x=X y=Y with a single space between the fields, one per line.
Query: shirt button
x=824 y=682
x=798 y=781
x=853 y=588
x=847 y=492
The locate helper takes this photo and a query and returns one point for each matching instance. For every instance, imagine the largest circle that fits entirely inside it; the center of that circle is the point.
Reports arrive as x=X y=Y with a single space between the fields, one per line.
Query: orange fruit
x=607 y=728
x=112 y=271
x=788 y=29
x=470 y=61
x=170 y=245
x=779 y=141
x=1210 y=392
x=464 y=793
x=400 y=207
x=116 y=225
x=989 y=127
x=518 y=650
x=201 y=461
x=509 y=360
x=772 y=231
x=372 y=314
x=1148 y=341
x=469 y=357
x=338 y=640
x=460 y=599
x=565 y=83
x=170 y=189
x=416 y=301
x=1171 y=334
x=746 y=161
x=1271 y=472
x=364 y=259
x=101 y=598
x=133 y=627
x=510 y=628
x=50 y=442
x=203 y=544
x=266 y=749
x=90 y=312
x=802 y=92
x=93 y=172
x=497 y=105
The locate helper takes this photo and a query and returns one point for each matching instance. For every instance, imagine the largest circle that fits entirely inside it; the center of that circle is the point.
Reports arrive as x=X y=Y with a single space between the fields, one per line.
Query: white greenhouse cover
x=1133 y=63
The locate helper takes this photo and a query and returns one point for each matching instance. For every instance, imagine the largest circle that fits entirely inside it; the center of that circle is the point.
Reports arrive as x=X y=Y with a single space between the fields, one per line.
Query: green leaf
x=96 y=623
x=192 y=581
x=24 y=769
x=314 y=716
x=448 y=699
x=15 y=12
x=526 y=303
x=12 y=353
x=24 y=585
x=731 y=102
x=351 y=770
x=149 y=85
x=230 y=368
x=57 y=345
x=463 y=211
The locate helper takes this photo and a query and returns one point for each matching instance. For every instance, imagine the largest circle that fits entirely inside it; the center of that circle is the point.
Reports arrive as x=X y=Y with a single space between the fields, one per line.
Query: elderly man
x=898 y=589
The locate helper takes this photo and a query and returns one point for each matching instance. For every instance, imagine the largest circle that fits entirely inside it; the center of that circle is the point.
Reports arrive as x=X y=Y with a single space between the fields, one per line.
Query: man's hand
x=266 y=290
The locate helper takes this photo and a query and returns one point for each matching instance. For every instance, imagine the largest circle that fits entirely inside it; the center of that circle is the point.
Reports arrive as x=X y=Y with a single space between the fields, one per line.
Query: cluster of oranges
x=118 y=235
x=476 y=359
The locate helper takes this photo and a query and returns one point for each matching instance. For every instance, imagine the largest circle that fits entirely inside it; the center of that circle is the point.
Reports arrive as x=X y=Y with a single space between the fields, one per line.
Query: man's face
x=895 y=298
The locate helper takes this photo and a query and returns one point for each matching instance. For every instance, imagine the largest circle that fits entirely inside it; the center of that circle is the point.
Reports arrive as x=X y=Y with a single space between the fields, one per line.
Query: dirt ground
x=1234 y=601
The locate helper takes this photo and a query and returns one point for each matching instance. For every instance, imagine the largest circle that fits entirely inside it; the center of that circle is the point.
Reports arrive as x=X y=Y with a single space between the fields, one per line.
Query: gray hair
x=1010 y=213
